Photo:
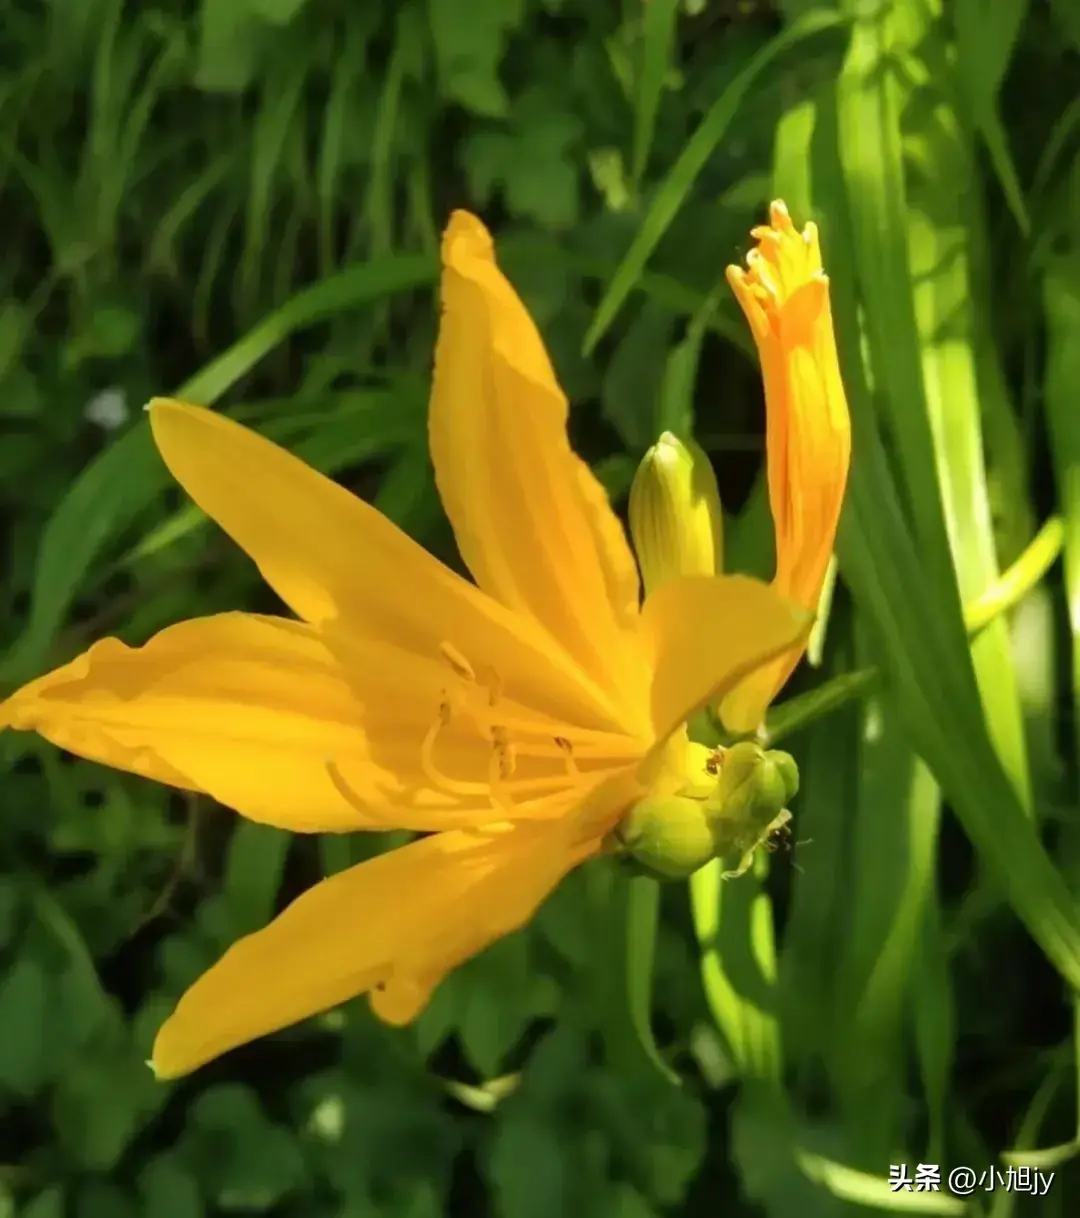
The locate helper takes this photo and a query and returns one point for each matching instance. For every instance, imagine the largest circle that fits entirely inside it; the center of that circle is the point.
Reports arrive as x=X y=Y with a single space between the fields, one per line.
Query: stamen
x=505 y=754
x=491 y=681
x=501 y=789
x=457 y=662
x=451 y=786
x=567 y=750
x=337 y=781
x=497 y=785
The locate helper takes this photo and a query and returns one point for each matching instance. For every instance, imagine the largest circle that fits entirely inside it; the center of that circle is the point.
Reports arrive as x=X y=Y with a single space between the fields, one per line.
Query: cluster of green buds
x=739 y=802
x=744 y=808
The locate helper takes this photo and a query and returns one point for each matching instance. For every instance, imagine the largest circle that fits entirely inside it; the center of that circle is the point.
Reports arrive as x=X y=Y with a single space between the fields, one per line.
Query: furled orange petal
x=708 y=633
x=531 y=521
x=367 y=927
x=785 y=295
x=335 y=559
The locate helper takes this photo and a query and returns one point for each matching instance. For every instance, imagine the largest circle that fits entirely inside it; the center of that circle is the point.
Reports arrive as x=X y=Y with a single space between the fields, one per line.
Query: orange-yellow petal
x=419 y=907
x=509 y=879
x=706 y=634
x=244 y=708
x=531 y=521
x=334 y=559
x=784 y=294
x=262 y=715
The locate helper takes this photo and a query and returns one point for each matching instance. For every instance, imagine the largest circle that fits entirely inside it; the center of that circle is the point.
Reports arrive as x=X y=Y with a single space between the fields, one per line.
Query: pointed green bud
x=675 y=516
x=668 y=837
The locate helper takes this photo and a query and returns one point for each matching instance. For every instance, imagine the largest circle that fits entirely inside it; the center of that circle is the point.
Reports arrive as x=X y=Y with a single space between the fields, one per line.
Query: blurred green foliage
x=240 y=201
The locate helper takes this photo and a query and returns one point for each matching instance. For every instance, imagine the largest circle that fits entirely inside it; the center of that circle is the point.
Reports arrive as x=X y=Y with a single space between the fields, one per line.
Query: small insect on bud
x=668 y=838
x=750 y=806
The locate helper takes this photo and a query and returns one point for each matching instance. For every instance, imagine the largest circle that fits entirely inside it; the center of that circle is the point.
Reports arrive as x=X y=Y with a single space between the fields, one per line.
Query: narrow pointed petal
x=707 y=634
x=531 y=521
x=416 y=908
x=335 y=560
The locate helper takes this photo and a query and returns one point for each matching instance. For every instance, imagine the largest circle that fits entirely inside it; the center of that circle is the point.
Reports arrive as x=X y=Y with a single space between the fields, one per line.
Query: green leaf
x=733 y=925
x=247 y=1161
x=986 y=35
x=657 y=39
x=635 y=376
x=1061 y=300
x=818 y=916
x=896 y=810
x=469 y=43
x=112 y=331
x=678 y=183
x=101 y=1102
x=10 y=904
x=24 y=999
x=102 y=1199
x=1068 y=17
x=527 y=1169
x=15 y=326
x=920 y=637
x=168 y=1190
x=763 y=1144
x=533 y=163
x=256 y=861
x=276 y=12
x=227 y=47
x=642 y=918
x=495 y=999
x=874 y=1192
x=49 y=1203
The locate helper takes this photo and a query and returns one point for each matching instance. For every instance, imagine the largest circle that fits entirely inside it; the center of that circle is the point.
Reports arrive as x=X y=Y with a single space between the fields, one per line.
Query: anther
x=457 y=661
x=504 y=752
x=490 y=681
x=567 y=750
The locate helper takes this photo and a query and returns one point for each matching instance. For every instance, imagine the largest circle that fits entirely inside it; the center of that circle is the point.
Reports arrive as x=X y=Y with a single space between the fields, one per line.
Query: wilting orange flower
x=785 y=295
x=514 y=722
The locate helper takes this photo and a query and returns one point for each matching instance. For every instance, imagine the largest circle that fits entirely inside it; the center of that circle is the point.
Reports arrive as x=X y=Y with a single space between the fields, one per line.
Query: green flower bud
x=750 y=804
x=675 y=516
x=788 y=771
x=668 y=838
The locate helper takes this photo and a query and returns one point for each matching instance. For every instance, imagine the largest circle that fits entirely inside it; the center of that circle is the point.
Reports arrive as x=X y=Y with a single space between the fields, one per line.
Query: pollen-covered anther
x=567 y=749
x=457 y=662
x=477 y=698
x=505 y=753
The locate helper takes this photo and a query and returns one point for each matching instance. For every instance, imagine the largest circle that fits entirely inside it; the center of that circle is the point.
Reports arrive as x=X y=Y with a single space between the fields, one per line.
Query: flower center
x=513 y=736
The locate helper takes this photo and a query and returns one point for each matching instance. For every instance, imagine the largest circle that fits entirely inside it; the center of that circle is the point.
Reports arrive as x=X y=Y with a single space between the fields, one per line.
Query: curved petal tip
x=466 y=238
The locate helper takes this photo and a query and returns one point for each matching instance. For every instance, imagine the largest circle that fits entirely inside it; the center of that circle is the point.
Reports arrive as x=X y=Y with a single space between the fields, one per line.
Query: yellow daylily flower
x=784 y=293
x=513 y=721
